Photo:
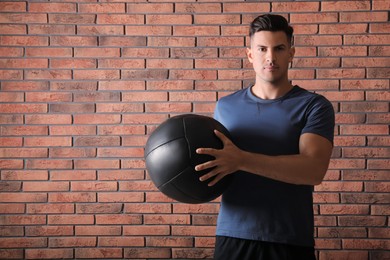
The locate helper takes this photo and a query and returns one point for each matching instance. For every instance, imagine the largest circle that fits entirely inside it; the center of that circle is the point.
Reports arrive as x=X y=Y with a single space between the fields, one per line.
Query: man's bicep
x=317 y=148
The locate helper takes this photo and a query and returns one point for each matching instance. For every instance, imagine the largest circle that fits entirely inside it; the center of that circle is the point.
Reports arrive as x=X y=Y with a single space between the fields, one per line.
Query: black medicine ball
x=171 y=157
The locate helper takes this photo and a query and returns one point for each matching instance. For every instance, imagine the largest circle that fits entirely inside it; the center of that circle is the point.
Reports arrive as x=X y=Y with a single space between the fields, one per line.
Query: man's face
x=270 y=53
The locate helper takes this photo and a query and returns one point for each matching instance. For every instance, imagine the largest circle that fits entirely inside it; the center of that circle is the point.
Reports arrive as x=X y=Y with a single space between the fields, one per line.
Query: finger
x=209 y=151
x=221 y=136
x=204 y=166
x=216 y=180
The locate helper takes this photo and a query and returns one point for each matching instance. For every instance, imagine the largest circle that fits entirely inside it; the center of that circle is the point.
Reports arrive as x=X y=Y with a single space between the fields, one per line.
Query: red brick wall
x=84 y=83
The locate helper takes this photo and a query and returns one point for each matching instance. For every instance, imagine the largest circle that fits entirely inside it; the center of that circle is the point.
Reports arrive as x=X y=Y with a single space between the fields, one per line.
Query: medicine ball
x=170 y=155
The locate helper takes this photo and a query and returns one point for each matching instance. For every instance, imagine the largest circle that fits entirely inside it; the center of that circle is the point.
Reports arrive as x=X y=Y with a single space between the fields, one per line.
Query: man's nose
x=271 y=56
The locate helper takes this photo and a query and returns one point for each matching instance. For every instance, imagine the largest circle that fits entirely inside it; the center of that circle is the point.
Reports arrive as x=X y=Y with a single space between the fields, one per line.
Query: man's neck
x=271 y=91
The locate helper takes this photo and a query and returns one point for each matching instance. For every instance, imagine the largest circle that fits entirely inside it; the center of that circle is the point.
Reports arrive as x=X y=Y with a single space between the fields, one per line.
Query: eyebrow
x=280 y=45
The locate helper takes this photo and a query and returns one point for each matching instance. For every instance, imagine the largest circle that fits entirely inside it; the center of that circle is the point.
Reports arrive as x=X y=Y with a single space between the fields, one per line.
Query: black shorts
x=229 y=248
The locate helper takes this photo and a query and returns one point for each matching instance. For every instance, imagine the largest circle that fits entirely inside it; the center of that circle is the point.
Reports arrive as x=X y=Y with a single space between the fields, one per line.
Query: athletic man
x=282 y=140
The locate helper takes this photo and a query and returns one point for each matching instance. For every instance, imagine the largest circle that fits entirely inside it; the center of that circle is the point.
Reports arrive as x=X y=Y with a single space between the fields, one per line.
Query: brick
x=150 y=8
x=99 y=208
x=169 y=241
x=101 y=30
x=147 y=253
x=193 y=74
x=145 y=52
x=368 y=198
x=114 y=197
x=150 y=30
x=320 y=40
x=122 y=152
x=23 y=18
x=11 y=51
x=24 y=86
x=343 y=51
x=11 y=164
x=335 y=232
x=45 y=186
x=10 y=141
x=24 y=175
x=67 y=18
x=63 y=208
x=171 y=63
x=27 y=242
x=96 y=118
x=11 y=97
x=22 y=219
x=364 y=129
x=145 y=74
x=173 y=41
x=96 y=74
x=378 y=164
x=378 y=141
x=23 y=152
x=378 y=72
x=295 y=6
x=10 y=74
x=149 y=230
x=23 y=63
x=94 y=186
x=162 y=219
x=345 y=5
x=48 y=119
x=193 y=230
x=119 y=219
x=340 y=73
x=168 y=19
x=346 y=164
x=73 y=41
x=66 y=197
x=96 y=141
x=120 y=174
x=193 y=253
x=48 y=74
x=13 y=6
x=344 y=254
x=371 y=39
x=52 y=29
x=118 y=108
x=121 y=85
x=102 y=8
x=220 y=19
x=10 y=186
x=378 y=244
x=12 y=253
x=118 y=241
x=344 y=209
x=65 y=219
x=121 y=63
x=220 y=41
x=11 y=231
x=160 y=208
x=23 y=108
x=97 y=230
x=198 y=52
x=122 y=129
x=198 y=7
x=179 y=108
x=73 y=130
x=72 y=175
x=73 y=63
x=72 y=242
x=328 y=244
x=38 y=231
x=49 y=52
x=39 y=164
x=122 y=19
x=51 y=253
x=96 y=164
x=13 y=29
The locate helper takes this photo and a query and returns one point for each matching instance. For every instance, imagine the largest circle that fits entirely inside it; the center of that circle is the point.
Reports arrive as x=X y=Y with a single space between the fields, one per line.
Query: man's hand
x=227 y=160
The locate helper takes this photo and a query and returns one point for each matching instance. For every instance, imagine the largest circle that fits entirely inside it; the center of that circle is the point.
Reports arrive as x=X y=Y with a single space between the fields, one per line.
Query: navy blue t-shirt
x=260 y=208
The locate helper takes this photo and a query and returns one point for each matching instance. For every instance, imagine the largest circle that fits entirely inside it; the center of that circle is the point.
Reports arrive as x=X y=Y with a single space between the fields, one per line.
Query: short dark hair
x=273 y=23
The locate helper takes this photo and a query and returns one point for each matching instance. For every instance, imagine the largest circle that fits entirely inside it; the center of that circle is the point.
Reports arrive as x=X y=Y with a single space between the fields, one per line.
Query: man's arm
x=308 y=167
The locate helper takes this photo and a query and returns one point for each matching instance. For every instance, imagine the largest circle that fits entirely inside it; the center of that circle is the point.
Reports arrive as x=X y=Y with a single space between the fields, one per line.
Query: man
x=282 y=140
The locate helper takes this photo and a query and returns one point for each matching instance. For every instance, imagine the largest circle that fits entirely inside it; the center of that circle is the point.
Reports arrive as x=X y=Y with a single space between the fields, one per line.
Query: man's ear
x=249 y=54
x=292 y=53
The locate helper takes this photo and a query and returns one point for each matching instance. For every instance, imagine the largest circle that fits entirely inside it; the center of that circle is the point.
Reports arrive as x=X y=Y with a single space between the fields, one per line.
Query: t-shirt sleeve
x=320 y=118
